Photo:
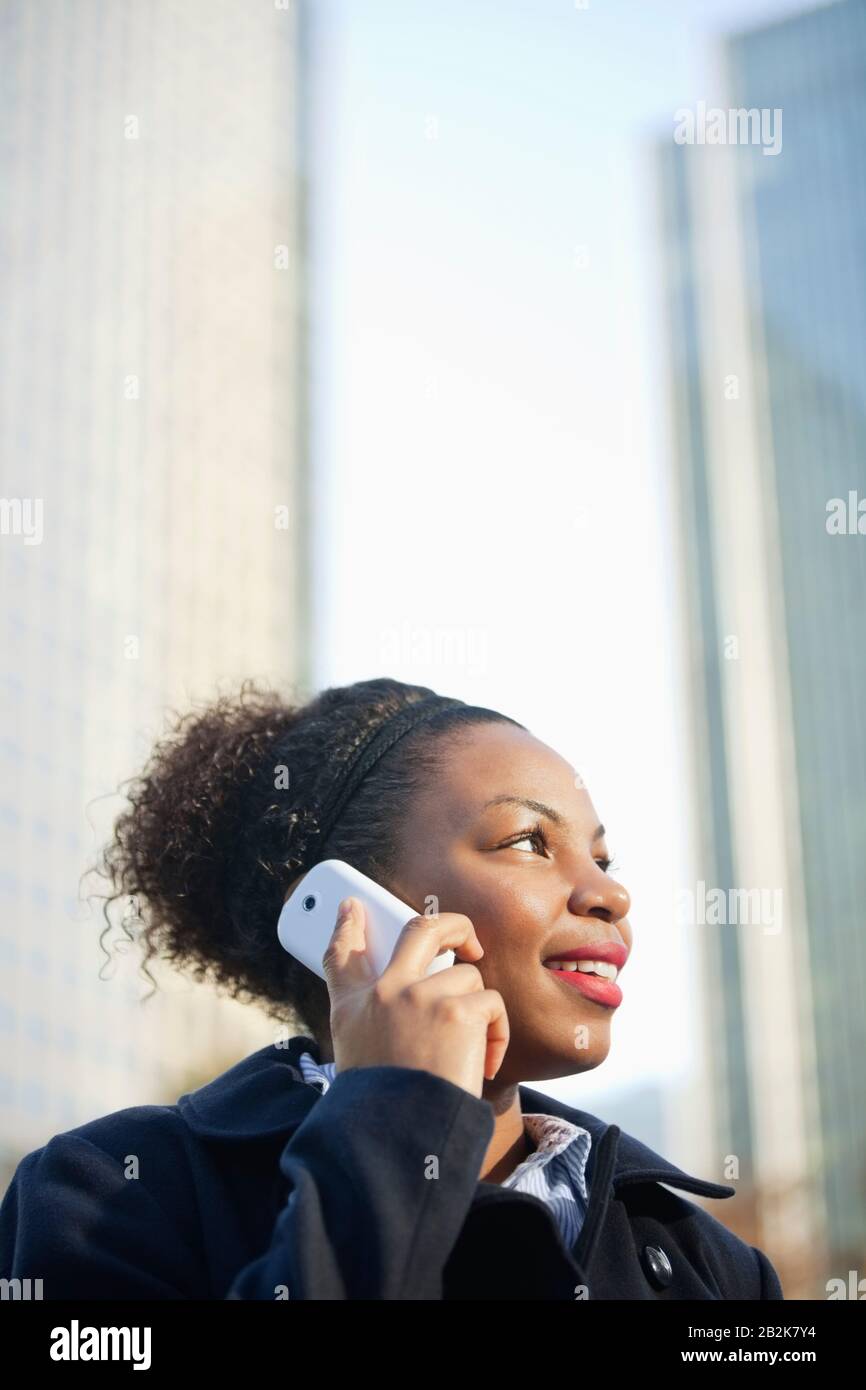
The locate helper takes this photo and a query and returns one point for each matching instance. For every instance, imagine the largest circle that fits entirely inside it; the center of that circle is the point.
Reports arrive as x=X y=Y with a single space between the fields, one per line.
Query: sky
x=493 y=501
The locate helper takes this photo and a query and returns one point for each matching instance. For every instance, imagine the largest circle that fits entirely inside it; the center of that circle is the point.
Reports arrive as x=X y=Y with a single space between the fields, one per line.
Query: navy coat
x=256 y=1186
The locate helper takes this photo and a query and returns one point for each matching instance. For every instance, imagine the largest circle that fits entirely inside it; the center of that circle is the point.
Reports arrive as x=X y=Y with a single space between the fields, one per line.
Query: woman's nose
x=598 y=895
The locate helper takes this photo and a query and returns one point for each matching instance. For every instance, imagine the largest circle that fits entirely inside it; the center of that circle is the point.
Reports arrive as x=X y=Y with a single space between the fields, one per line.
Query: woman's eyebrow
x=538 y=806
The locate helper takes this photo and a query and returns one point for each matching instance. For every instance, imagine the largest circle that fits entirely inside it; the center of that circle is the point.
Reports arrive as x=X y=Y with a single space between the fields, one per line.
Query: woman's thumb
x=346 y=956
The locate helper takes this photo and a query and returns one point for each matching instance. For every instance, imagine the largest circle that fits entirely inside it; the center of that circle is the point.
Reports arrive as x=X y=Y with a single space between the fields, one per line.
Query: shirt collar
x=550 y=1135
x=266 y=1095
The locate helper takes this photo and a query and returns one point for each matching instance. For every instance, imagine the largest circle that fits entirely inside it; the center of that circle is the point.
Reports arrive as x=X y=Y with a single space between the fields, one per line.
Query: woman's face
x=533 y=883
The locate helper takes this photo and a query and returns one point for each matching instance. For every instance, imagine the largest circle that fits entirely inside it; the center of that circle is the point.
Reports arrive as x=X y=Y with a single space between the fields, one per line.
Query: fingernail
x=344 y=909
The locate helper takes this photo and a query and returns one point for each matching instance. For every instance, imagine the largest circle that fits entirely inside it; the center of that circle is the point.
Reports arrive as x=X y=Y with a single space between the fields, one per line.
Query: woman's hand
x=447 y=1023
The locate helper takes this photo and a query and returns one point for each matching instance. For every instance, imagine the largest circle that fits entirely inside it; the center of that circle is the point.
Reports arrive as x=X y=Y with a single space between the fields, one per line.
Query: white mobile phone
x=307 y=920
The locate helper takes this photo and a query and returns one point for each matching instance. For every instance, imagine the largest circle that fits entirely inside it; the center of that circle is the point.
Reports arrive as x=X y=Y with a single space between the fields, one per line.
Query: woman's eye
x=533 y=837
x=524 y=840
x=537 y=839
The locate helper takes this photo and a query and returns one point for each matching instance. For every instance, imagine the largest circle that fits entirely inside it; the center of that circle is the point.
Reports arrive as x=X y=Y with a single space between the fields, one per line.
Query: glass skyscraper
x=150 y=404
x=766 y=285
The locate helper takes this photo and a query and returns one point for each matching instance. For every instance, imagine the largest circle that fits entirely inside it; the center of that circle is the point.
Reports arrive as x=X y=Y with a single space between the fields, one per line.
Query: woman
x=390 y=1150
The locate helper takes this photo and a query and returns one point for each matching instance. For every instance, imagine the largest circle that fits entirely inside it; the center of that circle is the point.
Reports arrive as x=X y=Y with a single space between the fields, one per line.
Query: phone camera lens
x=309 y=902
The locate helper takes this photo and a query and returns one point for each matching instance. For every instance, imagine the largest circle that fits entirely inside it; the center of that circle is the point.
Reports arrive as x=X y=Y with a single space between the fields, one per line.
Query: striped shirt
x=555 y=1173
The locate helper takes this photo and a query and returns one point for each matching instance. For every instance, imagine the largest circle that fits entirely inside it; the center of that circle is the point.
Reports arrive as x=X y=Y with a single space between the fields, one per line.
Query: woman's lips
x=606 y=992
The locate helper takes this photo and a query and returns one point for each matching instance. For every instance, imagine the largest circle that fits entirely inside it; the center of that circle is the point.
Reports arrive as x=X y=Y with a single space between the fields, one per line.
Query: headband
x=374 y=747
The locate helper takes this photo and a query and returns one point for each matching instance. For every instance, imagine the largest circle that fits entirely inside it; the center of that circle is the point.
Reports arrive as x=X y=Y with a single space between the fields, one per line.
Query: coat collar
x=265 y=1095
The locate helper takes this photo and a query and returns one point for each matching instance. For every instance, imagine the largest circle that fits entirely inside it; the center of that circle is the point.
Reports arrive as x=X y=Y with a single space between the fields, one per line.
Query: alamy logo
x=76 y=1343
x=855 y=1288
x=16 y=518
x=716 y=907
x=847 y=520
x=737 y=126
x=21 y=1289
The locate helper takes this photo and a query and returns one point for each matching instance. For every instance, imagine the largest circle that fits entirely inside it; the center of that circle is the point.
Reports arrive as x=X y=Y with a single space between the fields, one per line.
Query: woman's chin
x=549 y=1061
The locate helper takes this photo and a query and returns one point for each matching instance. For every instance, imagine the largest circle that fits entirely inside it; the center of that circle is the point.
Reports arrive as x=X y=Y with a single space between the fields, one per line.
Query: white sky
x=489 y=430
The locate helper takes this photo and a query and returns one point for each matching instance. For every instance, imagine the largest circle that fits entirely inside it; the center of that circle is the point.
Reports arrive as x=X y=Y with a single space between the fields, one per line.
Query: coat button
x=657 y=1266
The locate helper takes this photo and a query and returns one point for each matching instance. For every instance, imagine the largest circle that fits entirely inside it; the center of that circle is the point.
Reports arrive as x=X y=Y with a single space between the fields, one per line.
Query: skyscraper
x=149 y=378
x=766 y=284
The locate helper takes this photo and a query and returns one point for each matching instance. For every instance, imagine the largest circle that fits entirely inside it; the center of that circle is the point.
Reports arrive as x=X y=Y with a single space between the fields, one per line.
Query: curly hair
x=209 y=844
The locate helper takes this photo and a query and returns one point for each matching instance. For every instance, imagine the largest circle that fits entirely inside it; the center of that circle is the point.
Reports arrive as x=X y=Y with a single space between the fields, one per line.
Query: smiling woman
x=392 y=1150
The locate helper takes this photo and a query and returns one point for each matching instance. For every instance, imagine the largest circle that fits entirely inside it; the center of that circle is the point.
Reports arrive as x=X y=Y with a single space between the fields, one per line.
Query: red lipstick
x=600 y=991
